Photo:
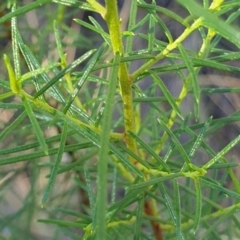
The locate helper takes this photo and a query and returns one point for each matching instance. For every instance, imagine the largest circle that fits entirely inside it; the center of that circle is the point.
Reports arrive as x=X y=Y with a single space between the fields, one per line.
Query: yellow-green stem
x=168 y=49
x=184 y=90
x=125 y=80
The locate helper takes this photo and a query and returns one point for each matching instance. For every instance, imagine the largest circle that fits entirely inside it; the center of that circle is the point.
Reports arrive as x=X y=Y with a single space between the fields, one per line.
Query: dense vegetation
x=119 y=120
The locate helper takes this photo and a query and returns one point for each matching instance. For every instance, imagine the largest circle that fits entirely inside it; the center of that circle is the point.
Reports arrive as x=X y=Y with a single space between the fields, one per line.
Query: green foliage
x=96 y=144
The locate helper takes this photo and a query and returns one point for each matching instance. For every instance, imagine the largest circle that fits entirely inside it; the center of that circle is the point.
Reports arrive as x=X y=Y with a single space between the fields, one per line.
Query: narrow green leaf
x=164 y=29
x=222 y=153
x=100 y=214
x=36 y=144
x=6 y=95
x=224 y=165
x=35 y=72
x=100 y=114
x=4 y=84
x=164 y=11
x=219 y=188
x=54 y=171
x=196 y=63
x=192 y=75
x=140 y=23
x=11 y=106
x=198 y=210
x=125 y=160
x=182 y=129
x=12 y=126
x=73 y=213
x=76 y=4
x=149 y=99
x=200 y=137
x=58 y=40
x=156 y=180
x=151 y=151
x=12 y=77
x=68 y=69
x=170 y=208
x=139 y=217
x=80 y=162
x=226 y=56
x=213 y=227
x=114 y=185
x=151 y=33
x=177 y=208
x=104 y=35
x=129 y=198
x=35 y=125
x=176 y=142
x=24 y=9
x=136 y=57
x=166 y=93
x=94 y=28
x=90 y=65
x=63 y=223
x=91 y=135
x=131 y=23
x=211 y=21
x=15 y=49
x=132 y=154
x=91 y=197
x=219 y=90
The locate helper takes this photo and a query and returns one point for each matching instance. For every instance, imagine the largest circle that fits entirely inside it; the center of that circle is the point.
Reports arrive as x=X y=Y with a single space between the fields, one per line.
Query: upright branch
x=125 y=80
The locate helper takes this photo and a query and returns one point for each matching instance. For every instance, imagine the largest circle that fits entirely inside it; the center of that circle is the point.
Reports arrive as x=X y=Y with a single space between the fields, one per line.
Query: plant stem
x=155 y=225
x=202 y=53
x=125 y=80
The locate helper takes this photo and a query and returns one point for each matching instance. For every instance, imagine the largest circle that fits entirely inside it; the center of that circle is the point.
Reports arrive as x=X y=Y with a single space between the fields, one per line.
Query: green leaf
x=58 y=40
x=87 y=71
x=132 y=154
x=192 y=76
x=222 y=153
x=139 y=217
x=96 y=29
x=164 y=28
x=24 y=9
x=35 y=125
x=91 y=196
x=11 y=106
x=68 y=69
x=104 y=35
x=177 y=209
x=178 y=145
x=200 y=137
x=15 y=49
x=102 y=170
x=170 y=208
x=219 y=188
x=76 y=4
x=211 y=21
x=54 y=171
x=164 y=11
x=150 y=151
x=12 y=77
x=151 y=33
x=34 y=66
x=156 y=180
x=198 y=210
x=166 y=93
x=63 y=223
x=12 y=126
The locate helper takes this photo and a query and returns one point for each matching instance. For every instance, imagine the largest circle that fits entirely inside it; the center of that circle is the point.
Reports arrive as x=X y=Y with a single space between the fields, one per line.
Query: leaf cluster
x=118 y=152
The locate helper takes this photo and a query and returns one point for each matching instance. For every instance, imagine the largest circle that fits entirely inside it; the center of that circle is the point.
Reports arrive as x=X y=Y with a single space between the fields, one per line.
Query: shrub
x=118 y=141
